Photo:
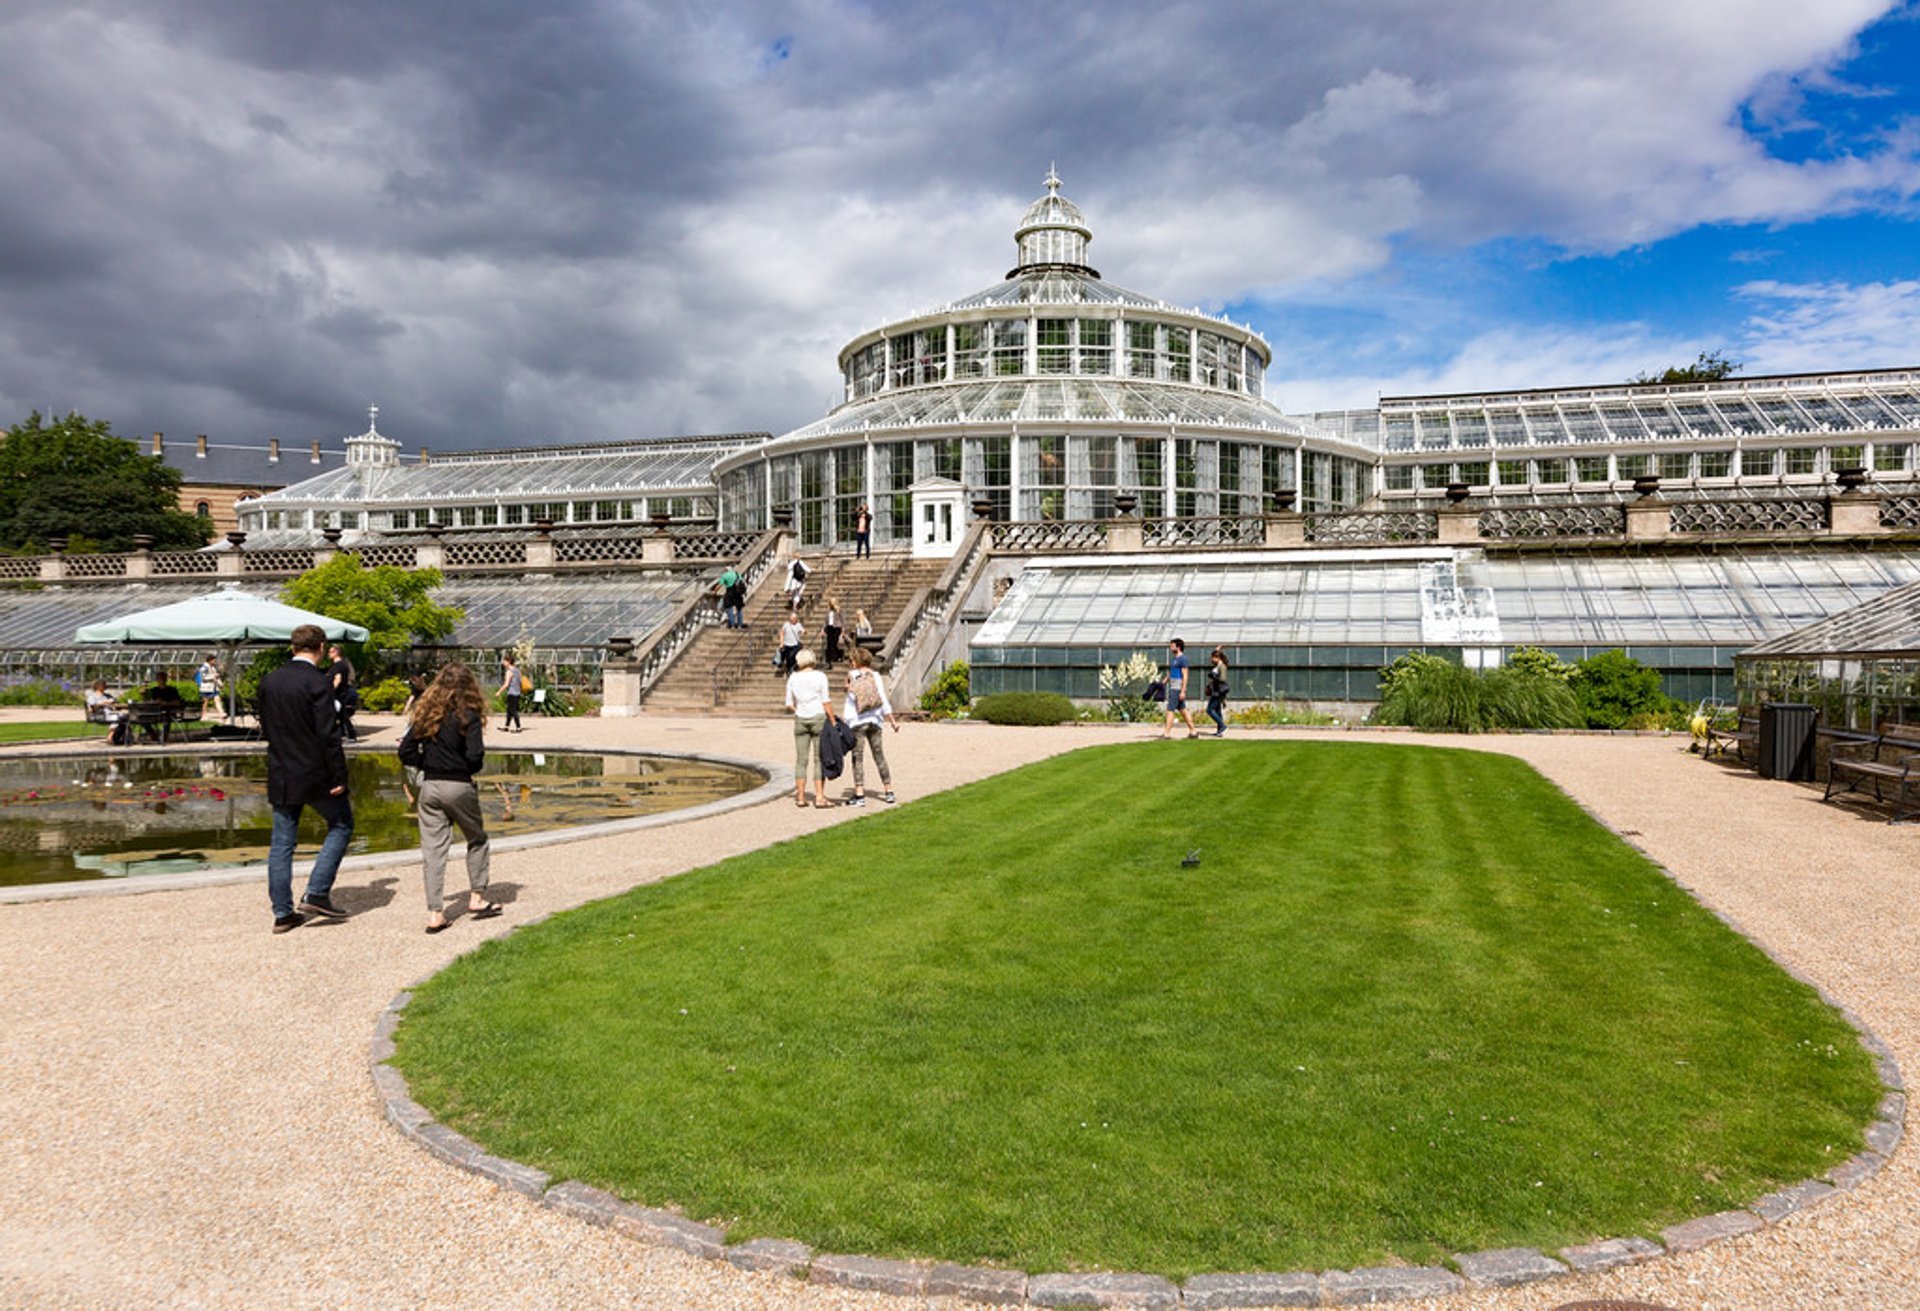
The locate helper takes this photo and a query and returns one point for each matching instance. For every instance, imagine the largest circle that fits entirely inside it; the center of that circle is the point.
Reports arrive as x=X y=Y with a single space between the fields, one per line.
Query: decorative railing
x=929 y=608
x=96 y=566
x=593 y=550
x=19 y=566
x=495 y=551
x=1225 y=530
x=1754 y=516
x=1547 y=522
x=404 y=554
x=1050 y=535
x=713 y=545
x=282 y=560
x=185 y=564
x=1900 y=512
x=1373 y=526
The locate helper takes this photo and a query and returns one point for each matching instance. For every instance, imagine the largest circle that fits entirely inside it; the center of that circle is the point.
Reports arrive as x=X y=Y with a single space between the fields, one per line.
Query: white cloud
x=1823 y=325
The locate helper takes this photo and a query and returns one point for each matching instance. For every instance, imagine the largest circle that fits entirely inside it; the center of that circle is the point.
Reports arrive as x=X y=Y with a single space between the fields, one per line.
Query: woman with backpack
x=866 y=709
x=1217 y=691
x=443 y=741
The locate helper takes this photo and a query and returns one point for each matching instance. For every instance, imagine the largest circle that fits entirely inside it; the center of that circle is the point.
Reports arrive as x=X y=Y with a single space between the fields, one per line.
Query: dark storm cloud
x=583 y=219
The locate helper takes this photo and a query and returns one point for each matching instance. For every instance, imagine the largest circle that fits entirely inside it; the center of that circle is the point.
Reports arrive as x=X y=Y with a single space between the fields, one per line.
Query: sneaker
x=889 y=798
x=856 y=799
x=287 y=922
x=323 y=907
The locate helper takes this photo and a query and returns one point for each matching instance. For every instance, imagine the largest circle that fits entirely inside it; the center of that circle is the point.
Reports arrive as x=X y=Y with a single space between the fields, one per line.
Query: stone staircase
x=731 y=670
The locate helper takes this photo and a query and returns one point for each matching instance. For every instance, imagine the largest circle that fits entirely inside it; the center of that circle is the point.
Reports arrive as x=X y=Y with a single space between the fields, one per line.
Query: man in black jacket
x=306 y=766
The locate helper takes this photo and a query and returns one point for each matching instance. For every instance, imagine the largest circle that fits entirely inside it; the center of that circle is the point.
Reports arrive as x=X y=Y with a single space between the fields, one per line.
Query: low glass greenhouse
x=1860 y=668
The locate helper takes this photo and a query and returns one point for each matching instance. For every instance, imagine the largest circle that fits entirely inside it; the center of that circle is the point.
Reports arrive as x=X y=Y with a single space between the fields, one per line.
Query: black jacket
x=305 y=761
x=454 y=754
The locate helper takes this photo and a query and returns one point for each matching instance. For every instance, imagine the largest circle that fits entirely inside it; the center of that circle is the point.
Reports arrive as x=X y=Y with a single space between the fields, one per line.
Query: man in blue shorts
x=1177 y=688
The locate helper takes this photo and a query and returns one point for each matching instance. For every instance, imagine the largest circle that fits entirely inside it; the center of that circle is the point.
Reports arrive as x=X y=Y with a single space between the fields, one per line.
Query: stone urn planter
x=1458 y=492
x=1126 y=503
x=1646 y=485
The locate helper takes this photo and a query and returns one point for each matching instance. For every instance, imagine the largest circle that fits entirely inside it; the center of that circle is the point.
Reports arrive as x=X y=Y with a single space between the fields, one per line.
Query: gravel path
x=186 y=1117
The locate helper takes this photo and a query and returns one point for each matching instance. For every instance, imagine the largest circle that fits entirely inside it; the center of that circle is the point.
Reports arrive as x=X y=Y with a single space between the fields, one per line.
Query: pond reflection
x=65 y=819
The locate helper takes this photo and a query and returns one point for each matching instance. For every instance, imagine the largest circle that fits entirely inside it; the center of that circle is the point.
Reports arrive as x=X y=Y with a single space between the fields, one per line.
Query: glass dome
x=1053 y=233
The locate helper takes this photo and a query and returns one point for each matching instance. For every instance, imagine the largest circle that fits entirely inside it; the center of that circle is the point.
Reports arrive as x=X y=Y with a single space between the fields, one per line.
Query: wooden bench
x=1736 y=739
x=1892 y=755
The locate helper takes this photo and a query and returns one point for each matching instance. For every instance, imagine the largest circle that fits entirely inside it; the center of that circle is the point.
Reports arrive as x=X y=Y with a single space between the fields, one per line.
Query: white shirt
x=861 y=718
x=807 y=694
x=790 y=634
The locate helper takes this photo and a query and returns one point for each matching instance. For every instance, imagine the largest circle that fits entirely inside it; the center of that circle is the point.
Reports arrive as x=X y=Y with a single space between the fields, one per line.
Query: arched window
x=204 y=509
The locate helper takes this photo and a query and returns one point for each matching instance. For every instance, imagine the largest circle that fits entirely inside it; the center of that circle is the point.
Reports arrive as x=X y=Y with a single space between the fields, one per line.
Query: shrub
x=1025 y=708
x=950 y=692
x=40 y=692
x=1532 y=660
x=1440 y=696
x=1276 y=712
x=1612 y=687
x=1411 y=662
x=386 y=696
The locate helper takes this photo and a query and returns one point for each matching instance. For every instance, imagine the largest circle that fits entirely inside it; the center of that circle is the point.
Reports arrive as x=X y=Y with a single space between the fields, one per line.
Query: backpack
x=799 y=571
x=864 y=688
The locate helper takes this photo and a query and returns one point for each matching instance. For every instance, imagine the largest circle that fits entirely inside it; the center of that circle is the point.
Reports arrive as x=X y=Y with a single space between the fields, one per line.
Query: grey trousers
x=445 y=805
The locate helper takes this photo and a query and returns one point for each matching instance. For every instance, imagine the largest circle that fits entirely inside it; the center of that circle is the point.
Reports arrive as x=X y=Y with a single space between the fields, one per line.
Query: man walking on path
x=306 y=766
x=1177 y=688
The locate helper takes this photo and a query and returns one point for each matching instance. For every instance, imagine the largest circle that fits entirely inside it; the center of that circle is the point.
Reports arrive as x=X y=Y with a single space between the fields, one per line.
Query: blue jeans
x=338 y=812
x=734 y=616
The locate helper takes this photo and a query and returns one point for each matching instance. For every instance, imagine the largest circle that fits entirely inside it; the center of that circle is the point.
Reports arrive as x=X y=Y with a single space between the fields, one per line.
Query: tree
x=394 y=605
x=1710 y=366
x=74 y=479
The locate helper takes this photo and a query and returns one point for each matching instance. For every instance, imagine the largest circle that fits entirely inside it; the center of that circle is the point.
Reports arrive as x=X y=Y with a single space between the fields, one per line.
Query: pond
x=70 y=818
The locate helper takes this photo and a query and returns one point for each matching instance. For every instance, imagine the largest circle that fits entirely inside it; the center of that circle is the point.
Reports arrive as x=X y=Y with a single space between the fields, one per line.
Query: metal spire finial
x=1053 y=179
x=373 y=417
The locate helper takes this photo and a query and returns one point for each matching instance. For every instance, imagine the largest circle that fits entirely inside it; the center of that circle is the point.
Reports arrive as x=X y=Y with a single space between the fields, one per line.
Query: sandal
x=485 y=911
x=441 y=927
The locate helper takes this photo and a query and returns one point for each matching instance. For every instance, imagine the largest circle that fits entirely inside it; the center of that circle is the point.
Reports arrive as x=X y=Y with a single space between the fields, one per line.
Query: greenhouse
x=1860 y=667
x=568 y=620
x=1319 y=624
x=607 y=483
x=1047 y=395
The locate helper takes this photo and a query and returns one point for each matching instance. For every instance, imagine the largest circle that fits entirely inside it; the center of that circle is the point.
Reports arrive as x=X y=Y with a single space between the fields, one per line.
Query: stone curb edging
x=1500 y=1268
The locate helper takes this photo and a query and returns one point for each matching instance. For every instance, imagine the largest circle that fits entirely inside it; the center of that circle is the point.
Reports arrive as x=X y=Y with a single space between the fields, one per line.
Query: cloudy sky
x=510 y=221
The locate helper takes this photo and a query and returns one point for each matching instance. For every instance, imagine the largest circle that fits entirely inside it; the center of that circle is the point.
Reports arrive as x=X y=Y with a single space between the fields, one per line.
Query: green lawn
x=1410 y=1001
x=52 y=731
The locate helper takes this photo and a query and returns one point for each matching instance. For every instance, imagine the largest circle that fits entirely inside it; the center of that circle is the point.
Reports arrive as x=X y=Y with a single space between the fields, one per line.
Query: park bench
x=1892 y=755
x=1745 y=733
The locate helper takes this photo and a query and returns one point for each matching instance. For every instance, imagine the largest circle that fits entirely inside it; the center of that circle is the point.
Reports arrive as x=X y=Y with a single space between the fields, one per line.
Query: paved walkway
x=186 y=1117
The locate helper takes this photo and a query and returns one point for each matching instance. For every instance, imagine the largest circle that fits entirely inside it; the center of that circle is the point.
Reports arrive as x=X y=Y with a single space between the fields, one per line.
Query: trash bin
x=1786 y=741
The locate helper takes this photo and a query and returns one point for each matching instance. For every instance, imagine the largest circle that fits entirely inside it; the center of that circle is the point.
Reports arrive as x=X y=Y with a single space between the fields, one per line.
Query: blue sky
x=595 y=219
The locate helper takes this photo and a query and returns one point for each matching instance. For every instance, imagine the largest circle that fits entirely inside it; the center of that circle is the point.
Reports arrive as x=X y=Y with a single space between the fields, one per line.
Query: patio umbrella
x=228 y=617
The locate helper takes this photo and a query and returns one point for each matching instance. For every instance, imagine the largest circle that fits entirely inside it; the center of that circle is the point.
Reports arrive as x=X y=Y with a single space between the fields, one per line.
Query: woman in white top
x=864 y=684
x=807 y=696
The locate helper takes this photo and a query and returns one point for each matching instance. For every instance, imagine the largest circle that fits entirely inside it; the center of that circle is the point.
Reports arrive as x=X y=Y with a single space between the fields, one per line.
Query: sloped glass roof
x=1060 y=287
x=522 y=475
x=1727 y=411
x=1375 y=599
x=1888 y=625
x=1075 y=400
x=557 y=612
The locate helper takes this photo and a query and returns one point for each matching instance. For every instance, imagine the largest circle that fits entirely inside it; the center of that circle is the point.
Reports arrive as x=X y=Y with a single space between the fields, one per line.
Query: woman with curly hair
x=443 y=741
